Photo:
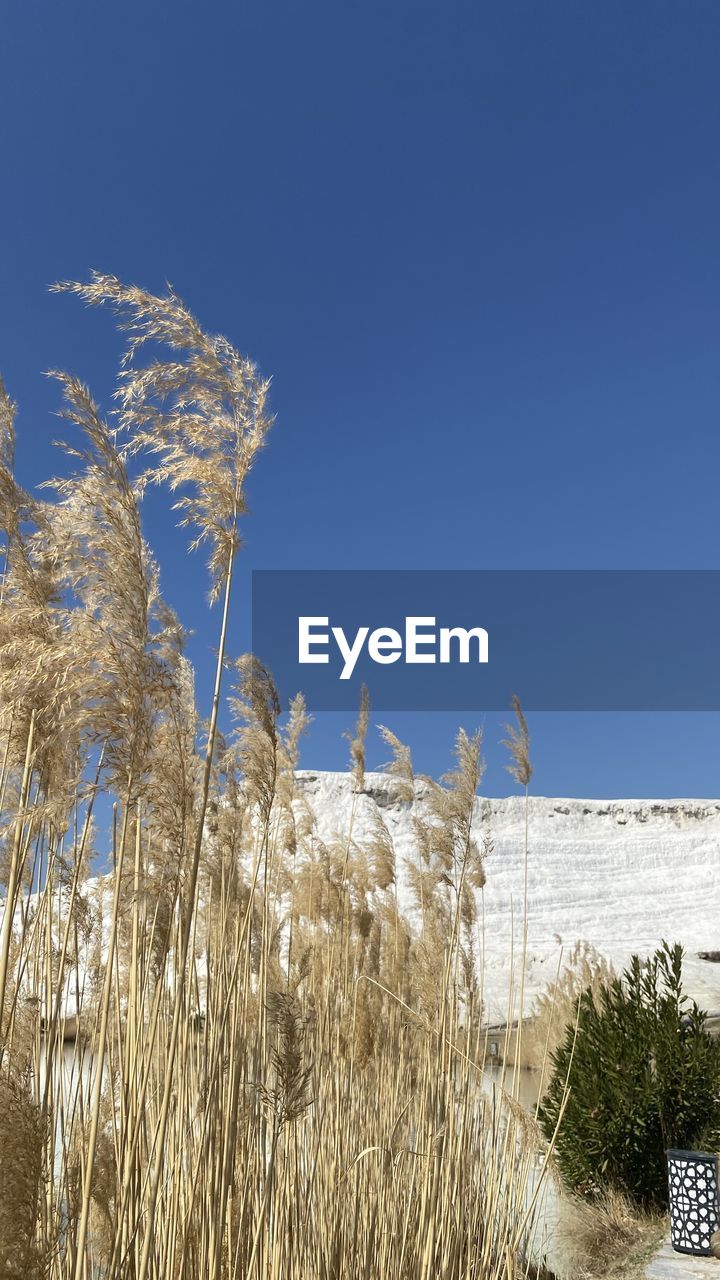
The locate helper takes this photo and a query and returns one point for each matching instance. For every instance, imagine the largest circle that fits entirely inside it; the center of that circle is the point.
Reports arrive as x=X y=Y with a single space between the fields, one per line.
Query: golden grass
x=273 y=1071
x=611 y=1239
x=581 y=969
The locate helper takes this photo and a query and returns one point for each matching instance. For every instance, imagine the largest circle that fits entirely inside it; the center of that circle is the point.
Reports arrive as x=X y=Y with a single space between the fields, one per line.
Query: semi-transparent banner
x=466 y=640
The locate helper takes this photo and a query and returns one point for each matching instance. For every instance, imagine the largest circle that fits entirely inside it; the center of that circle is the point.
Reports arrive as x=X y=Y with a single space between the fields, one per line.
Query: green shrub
x=644 y=1075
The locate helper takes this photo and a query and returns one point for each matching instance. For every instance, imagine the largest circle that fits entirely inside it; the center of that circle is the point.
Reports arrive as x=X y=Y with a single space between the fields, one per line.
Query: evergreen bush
x=644 y=1075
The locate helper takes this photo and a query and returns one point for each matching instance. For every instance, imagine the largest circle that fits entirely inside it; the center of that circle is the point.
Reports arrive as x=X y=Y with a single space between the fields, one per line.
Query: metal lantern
x=694 y=1206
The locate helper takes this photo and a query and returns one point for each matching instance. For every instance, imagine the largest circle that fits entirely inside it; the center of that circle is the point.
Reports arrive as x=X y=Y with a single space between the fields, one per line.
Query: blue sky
x=476 y=245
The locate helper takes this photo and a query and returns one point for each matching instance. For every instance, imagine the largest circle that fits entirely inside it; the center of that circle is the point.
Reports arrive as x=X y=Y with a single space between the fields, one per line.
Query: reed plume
x=518 y=744
x=229 y=1047
x=358 y=739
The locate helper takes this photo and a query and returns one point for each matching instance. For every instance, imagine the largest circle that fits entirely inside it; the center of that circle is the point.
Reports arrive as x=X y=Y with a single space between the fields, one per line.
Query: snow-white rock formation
x=620 y=874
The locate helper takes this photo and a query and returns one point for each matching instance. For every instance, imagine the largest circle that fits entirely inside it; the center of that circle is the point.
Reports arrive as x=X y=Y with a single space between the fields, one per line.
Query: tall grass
x=225 y=1050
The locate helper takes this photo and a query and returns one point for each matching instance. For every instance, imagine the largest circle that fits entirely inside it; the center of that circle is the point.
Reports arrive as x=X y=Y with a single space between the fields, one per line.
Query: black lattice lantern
x=694 y=1212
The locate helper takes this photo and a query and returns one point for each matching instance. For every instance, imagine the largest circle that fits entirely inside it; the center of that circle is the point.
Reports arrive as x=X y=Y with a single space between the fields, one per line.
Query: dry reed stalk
x=520 y=768
x=275 y=1071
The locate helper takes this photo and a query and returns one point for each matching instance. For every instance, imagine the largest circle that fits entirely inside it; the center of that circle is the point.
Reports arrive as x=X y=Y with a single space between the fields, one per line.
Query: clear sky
x=477 y=245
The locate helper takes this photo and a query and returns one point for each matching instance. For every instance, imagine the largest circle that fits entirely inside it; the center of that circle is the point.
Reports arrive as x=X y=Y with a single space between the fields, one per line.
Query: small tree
x=644 y=1075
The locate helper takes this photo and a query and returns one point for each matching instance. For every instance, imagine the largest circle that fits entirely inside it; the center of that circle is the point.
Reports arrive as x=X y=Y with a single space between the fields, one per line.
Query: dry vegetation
x=231 y=1054
x=610 y=1238
x=556 y=1008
